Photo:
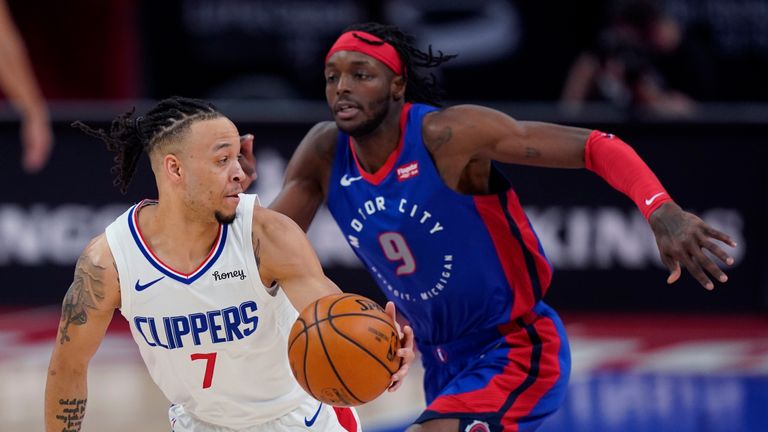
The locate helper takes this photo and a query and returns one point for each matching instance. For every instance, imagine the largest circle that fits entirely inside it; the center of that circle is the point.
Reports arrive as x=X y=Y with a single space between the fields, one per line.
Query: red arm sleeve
x=619 y=165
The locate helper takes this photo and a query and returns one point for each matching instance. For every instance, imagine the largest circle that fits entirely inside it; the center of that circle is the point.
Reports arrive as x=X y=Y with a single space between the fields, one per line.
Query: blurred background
x=684 y=81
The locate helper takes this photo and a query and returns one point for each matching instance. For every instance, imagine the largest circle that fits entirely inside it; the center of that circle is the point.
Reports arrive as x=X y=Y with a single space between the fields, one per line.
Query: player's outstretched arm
x=85 y=314
x=285 y=256
x=470 y=132
x=464 y=133
x=681 y=236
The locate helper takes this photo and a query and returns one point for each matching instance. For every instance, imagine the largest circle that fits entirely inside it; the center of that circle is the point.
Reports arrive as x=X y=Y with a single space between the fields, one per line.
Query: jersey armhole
x=249 y=203
x=120 y=267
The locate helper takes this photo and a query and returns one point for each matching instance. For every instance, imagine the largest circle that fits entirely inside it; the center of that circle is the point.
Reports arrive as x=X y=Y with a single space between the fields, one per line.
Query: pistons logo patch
x=478 y=426
x=404 y=172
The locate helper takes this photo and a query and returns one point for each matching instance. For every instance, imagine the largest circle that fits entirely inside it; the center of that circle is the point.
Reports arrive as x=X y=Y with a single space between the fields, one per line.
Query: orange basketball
x=343 y=349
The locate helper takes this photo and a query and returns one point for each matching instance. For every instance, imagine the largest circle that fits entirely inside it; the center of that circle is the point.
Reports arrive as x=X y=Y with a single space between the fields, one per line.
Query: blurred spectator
x=637 y=64
x=18 y=82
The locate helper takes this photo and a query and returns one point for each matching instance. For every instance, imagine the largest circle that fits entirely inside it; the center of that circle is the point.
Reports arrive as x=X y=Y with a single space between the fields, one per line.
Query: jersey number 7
x=210 y=363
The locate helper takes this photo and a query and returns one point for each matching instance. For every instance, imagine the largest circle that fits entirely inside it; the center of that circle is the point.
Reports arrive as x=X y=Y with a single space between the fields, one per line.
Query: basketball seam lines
x=329 y=317
x=327 y=356
x=330 y=321
x=308 y=327
x=290 y=343
x=304 y=364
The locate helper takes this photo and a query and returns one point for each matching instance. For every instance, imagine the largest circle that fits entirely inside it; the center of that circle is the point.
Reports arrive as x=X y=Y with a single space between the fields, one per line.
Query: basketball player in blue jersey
x=415 y=192
x=209 y=281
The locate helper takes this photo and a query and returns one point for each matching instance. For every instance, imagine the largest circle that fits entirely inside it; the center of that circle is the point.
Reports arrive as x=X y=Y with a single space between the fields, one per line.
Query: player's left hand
x=405 y=351
x=247 y=161
x=682 y=237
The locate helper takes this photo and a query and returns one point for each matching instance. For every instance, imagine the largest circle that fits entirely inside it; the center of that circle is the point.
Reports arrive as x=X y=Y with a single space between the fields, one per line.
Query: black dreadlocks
x=419 y=88
x=130 y=135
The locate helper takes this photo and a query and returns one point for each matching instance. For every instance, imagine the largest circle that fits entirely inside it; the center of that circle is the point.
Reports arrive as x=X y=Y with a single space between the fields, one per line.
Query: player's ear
x=172 y=167
x=397 y=87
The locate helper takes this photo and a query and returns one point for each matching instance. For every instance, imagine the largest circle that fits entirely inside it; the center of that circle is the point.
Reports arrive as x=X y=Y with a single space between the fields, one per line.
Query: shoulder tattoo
x=442 y=137
x=85 y=293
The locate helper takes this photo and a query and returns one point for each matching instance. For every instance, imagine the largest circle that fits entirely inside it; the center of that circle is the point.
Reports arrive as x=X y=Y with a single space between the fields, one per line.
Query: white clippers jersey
x=215 y=340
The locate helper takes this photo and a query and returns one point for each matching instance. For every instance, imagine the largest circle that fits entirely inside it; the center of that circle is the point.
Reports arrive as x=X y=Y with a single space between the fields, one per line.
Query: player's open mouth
x=346 y=110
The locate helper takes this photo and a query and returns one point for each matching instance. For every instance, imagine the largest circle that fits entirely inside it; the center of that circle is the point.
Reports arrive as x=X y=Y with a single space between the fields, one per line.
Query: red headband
x=384 y=53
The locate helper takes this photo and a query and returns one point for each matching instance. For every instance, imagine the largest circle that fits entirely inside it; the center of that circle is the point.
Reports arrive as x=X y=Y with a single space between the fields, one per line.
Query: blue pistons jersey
x=454 y=264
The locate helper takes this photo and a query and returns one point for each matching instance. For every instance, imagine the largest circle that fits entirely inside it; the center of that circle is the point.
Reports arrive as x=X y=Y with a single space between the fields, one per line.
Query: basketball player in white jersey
x=209 y=281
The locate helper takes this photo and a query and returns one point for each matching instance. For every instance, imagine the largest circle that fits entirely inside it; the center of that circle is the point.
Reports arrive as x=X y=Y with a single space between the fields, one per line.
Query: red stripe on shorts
x=347 y=418
x=494 y=395
x=549 y=373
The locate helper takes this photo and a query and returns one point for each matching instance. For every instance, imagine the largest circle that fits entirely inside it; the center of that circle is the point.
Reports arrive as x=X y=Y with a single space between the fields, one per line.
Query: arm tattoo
x=256 y=250
x=445 y=135
x=532 y=153
x=85 y=292
x=72 y=413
